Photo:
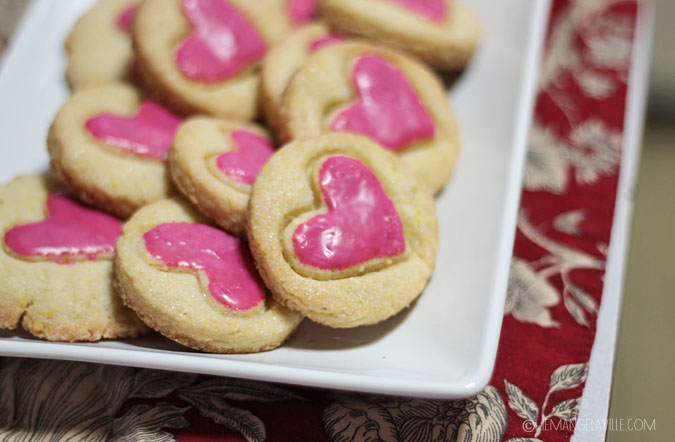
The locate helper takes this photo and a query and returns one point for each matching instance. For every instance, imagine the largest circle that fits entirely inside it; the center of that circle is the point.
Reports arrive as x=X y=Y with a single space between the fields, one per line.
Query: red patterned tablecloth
x=555 y=288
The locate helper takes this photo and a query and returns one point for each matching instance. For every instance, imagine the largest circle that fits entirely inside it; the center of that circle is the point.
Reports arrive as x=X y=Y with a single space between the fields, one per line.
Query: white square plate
x=445 y=345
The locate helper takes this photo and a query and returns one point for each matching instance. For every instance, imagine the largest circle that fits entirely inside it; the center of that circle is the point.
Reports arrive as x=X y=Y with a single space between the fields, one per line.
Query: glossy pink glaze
x=434 y=10
x=69 y=231
x=222 y=44
x=149 y=133
x=244 y=163
x=388 y=110
x=225 y=259
x=302 y=11
x=126 y=19
x=324 y=41
x=361 y=223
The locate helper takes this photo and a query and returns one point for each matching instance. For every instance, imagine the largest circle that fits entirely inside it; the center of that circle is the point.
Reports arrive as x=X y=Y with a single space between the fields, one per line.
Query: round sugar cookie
x=443 y=33
x=214 y=162
x=341 y=230
x=203 y=56
x=99 y=45
x=56 y=266
x=282 y=62
x=373 y=91
x=109 y=145
x=196 y=284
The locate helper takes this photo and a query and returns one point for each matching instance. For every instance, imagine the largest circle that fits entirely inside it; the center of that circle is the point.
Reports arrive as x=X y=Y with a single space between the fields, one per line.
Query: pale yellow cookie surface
x=106 y=177
x=283 y=60
x=447 y=45
x=325 y=84
x=99 y=49
x=160 y=26
x=192 y=162
x=176 y=303
x=285 y=193
x=58 y=302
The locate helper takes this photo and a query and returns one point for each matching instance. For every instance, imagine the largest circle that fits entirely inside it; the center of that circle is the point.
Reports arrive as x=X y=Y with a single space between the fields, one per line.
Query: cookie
x=214 y=163
x=196 y=284
x=203 y=56
x=341 y=230
x=385 y=95
x=109 y=145
x=282 y=62
x=56 y=266
x=99 y=45
x=443 y=33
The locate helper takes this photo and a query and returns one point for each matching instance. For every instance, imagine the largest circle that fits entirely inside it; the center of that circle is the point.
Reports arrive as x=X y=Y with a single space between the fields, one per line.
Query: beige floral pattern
x=57 y=400
x=530 y=294
x=378 y=418
x=563 y=378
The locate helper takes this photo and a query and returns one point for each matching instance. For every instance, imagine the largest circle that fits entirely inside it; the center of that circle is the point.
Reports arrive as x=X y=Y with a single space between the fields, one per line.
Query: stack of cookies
x=225 y=168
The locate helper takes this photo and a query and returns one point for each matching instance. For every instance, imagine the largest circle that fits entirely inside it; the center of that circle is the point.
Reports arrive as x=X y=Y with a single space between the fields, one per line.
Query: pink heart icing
x=388 y=109
x=434 y=10
x=361 y=223
x=69 y=231
x=244 y=164
x=224 y=259
x=222 y=44
x=324 y=41
x=302 y=11
x=149 y=133
x=126 y=19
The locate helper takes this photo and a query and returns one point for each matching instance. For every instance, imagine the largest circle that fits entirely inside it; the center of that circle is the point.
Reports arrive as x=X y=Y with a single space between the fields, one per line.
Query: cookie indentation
x=388 y=109
x=149 y=133
x=434 y=10
x=69 y=231
x=222 y=261
x=361 y=223
x=223 y=42
x=243 y=164
x=126 y=19
x=324 y=41
x=302 y=11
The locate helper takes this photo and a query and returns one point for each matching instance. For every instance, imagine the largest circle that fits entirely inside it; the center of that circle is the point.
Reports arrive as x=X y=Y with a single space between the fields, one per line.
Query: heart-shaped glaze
x=434 y=10
x=388 y=110
x=361 y=224
x=222 y=44
x=324 y=41
x=126 y=19
x=223 y=258
x=244 y=163
x=69 y=231
x=302 y=11
x=149 y=133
